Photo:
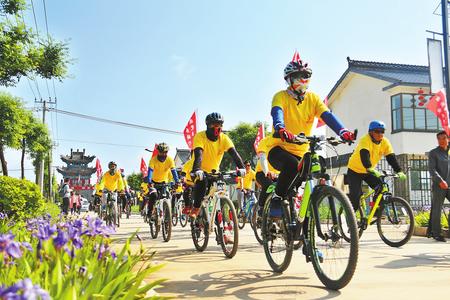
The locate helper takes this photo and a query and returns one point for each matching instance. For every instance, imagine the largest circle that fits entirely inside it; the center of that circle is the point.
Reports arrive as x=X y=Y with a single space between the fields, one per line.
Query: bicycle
x=246 y=209
x=217 y=213
x=316 y=226
x=161 y=215
x=110 y=215
x=177 y=213
x=391 y=214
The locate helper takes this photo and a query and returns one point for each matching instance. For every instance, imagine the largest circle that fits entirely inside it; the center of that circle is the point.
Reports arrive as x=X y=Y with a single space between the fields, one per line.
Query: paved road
x=418 y=270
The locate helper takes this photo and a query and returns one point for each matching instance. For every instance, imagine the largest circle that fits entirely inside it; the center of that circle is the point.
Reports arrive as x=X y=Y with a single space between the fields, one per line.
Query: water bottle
x=210 y=206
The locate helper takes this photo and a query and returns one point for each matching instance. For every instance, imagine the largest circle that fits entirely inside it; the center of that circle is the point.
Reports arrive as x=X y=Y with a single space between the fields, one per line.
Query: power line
x=46 y=24
x=119 y=123
x=102 y=143
x=34 y=15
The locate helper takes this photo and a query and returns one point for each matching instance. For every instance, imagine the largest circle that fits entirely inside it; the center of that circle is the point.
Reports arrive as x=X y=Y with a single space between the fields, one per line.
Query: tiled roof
x=396 y=74
x=183 y=154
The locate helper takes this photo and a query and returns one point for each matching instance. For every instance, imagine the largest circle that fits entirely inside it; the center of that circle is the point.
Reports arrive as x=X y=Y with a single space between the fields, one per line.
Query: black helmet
x=111 y=163
x=162 y=147
x=214 y=118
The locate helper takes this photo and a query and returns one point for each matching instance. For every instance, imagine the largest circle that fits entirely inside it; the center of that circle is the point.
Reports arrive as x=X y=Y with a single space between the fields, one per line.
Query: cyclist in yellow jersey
x=361 y=165
x=188 y=184
x=111 y=182
x=143 y=194
x=159 y=168
x=209 y=147
x=126 y=196
x=245 y=184
x=293 y=112
x=265 y=172
x=97 y=194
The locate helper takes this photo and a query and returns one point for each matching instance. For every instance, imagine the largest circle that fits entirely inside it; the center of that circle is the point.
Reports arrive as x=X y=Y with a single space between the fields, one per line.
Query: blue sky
x=154 y=62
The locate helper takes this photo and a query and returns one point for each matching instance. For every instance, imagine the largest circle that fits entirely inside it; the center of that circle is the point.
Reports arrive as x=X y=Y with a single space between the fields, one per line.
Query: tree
x=12 y=125
x=23 y=53
x=243 y=137
x=134 y=181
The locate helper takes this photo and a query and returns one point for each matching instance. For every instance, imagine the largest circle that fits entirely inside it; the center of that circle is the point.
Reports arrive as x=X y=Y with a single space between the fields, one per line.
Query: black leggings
x=354 y=185
x=265 y=183
x=199 y=192
x=187 y=195
x=287 y=163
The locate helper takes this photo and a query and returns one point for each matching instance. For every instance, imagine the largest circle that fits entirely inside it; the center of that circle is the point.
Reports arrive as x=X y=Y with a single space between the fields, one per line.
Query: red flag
x=259 y=137
x=99 y=170
x=320 y=123
x=190 y=130
x=143 y=168
x=155 y=151
x=438 y=105
x=296 y=57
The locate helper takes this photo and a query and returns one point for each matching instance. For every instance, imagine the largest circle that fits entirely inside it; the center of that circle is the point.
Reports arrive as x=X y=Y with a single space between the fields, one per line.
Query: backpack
x=61 y=191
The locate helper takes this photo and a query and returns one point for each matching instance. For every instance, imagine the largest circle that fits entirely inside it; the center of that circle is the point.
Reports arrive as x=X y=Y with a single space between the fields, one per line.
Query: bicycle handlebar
x=301 y=139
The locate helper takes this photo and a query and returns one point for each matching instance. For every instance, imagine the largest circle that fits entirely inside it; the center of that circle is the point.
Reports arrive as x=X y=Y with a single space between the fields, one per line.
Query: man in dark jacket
x=439 y=167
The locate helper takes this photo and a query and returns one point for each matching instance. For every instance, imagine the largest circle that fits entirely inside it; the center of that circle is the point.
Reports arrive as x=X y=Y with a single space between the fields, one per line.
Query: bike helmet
x=297 y=67
x=214 y=118
x=110 y=164
x=162 y=147
x=376 y=125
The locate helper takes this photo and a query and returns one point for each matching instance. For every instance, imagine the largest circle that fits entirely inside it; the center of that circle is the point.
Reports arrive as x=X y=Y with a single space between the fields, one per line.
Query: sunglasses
x=378 y=131
x=247 y=165
x=301 y=75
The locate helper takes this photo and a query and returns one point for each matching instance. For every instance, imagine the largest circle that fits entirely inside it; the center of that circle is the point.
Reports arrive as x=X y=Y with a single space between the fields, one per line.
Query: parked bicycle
x=316 y=226
x=160 y=217
x=218 y=215
x=393 y=215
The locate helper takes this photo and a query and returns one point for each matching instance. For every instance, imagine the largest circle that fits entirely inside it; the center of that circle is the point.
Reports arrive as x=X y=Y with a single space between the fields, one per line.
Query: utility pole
x=444 y=7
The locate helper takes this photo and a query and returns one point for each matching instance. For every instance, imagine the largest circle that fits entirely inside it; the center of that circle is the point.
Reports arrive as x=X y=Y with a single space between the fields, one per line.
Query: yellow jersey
x=264 y=146
x=212 y=150
x=298 y=118
x=247 y=180
x=187 y=168
x=161 y=170
x=144 y=188
x=112 y=182
x=376 y=151
x=98 y=190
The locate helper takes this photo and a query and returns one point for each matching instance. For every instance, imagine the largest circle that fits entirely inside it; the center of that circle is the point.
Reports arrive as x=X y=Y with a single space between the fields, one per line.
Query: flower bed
x=68 y=259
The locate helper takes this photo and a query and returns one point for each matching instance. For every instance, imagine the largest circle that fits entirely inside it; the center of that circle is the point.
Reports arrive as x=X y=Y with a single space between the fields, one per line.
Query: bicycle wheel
x=334 y=259
x=154 y=228
x=395 y=221
x=227 y=230
x=166 y=222
x=343 y=226
x=241 y=218
x=175 y=215
x=183 y=219
x=200 y=230
x=128 y=210
x=278 y=247
x=257 y=224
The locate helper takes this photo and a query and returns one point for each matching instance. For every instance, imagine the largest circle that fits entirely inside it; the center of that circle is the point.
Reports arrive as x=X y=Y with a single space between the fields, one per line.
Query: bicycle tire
x=175 y=215
x=256 y=227
x=269 y=233
x=153 y=226
x=183 y=219
x=344 y=231
x=166 y=222
x=315 y=254
x=409 y=215
x=241 y=218
x=200 y=226
x=228 y=213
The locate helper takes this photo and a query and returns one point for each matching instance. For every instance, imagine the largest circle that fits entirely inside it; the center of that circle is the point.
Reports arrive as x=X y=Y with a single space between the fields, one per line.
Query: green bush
x=52 y=209
x=20 y=198
x=422 y=218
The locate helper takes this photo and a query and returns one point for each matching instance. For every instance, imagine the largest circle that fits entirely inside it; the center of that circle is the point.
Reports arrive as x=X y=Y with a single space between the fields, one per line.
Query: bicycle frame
x=367 y=195
x=216 y=190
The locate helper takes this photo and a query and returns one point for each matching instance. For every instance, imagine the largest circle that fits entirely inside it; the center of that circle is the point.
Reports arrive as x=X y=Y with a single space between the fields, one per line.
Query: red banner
x=155 y=151
x=99 y=170
x=190 y=130
x=143 y=168
x=320 y=123
x=259 y=137
x=438 y=105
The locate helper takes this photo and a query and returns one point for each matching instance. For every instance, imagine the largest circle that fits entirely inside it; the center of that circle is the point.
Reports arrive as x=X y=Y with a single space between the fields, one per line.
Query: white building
x=389 y=92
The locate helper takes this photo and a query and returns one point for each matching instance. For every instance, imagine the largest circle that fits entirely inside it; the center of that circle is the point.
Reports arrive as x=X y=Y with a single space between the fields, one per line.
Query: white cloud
x=182 y=67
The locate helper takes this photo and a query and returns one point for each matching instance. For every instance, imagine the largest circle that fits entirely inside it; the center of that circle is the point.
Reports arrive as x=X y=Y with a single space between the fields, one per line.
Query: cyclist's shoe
x=275 y=207
x=228 y=239
x=440 y=238
x=186 y=210
x=194 y=212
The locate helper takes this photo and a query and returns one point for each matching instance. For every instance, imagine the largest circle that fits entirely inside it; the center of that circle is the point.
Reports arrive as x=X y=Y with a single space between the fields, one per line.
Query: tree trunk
x=3 y=160
x=22 y=161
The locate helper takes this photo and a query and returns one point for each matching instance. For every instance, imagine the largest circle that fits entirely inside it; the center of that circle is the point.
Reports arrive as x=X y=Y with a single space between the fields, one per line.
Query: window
x=409 y=115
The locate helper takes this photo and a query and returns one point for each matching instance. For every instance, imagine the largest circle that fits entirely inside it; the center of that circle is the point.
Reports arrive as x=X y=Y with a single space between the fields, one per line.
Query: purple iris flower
x=61 y=239
x=13 y=249
x=8 y=245
x=30 y=291
x=45 y=231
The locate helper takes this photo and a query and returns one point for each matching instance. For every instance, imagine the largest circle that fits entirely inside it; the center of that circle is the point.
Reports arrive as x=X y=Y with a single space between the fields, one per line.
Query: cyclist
x=143 y=195
x=209 y=147
x=244 y=187
x=188 y=184
x=111 y=182
x=97 y=196
x=293 y=112
x=159 y=168
x=361 y=165
x=127 y=196
x=265 y=172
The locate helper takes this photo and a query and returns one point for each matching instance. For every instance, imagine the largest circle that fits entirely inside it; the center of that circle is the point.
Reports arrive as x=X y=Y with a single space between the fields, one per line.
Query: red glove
x=285 y=135
x=346 y=135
